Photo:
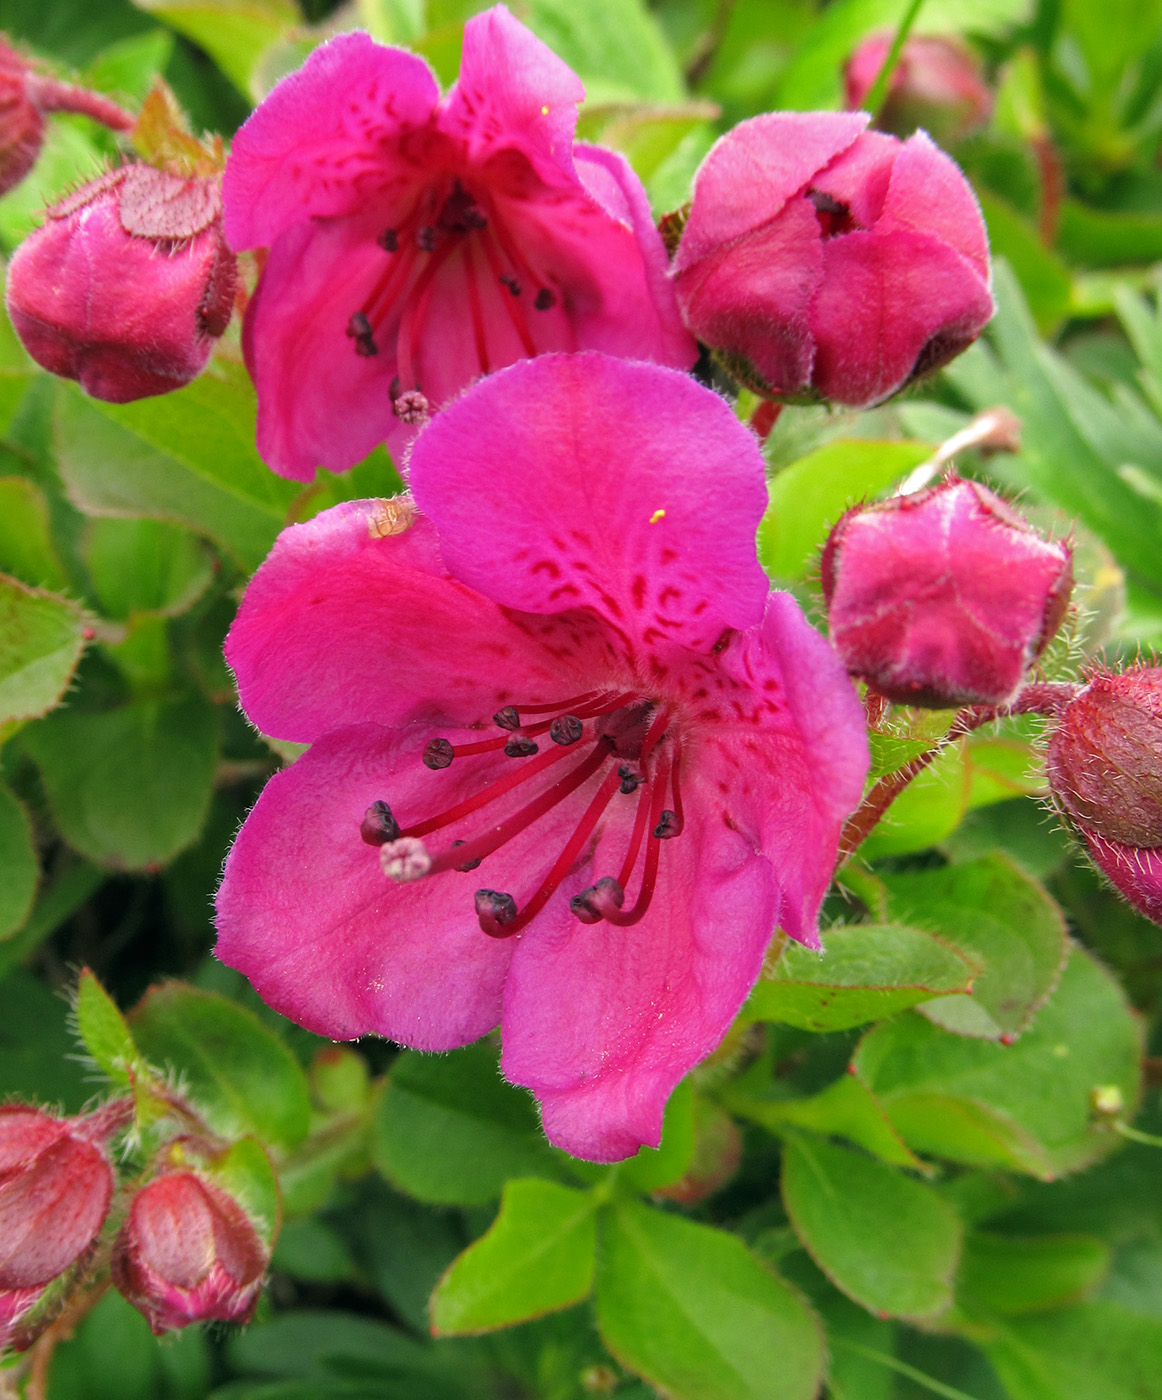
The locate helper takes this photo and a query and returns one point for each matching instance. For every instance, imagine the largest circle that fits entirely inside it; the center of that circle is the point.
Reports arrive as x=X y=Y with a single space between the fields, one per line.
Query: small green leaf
x=18 y=862
x=864 y=973
x=235 y=33
x=999 y=1274
x=929 y=809
x=40 y=644
x=145 y=566
x=654 y=1167
x=450 y=1131
x=103 y=1030
x=26 y=547
x=810 y=495
x=886 y=1240
x=1099 y=1351
x=695 y=1313
x=615 y=46
x=128 y=787
x=537 y=1257
x=236 y=1072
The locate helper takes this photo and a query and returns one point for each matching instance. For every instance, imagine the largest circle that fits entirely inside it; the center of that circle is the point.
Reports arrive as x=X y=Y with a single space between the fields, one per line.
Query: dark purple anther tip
x=427 y=238
x=438 y=754
x=388 y=240
x=630 y=781
x=520 y=747
x=545 y=300
x=468 y=864
x=566 y=730
x=590 y=905
x=495 y=905
x=668 y=826
x=378 y=826
x=509 y=281
x=359 y=329
x=506 y=718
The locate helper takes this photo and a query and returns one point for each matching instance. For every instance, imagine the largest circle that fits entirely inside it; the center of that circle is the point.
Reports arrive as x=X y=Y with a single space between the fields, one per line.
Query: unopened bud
x=936 y=85
x=127 y=283
x=15 y=1304
x=21 y=125
x=188 y=1253
x=943 y=597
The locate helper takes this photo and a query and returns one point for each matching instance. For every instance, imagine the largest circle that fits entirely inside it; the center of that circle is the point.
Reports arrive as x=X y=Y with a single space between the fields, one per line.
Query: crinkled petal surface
x=327 y=139
x=538 y=516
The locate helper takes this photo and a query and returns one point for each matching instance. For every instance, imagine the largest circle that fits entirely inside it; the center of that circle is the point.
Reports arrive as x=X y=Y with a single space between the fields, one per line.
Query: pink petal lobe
x=883 y=298
x=344 y=624
x=928 y=194
x=538 y=517
x=859 y=177
x=752 y=172
x=305 y=912
x=327 y=139
x=513 y=92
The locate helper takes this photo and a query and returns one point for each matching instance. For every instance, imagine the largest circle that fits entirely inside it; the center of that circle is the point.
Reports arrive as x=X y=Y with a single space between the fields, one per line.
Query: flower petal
x=343 y=624
x=928 y=194
x=859 y=176
x=625 y=489
x=305 y=912
x=883 y=298
x=327 y=139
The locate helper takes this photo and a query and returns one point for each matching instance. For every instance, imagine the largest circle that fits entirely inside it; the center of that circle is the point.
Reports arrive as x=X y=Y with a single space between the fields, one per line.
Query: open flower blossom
x=571 y=764
x=417 y=243
x=822 y=259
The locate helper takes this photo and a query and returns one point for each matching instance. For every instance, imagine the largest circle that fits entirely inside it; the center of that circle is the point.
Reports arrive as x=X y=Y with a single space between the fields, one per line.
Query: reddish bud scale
x=188 y=1253
x=943 y=597
x=126 y=284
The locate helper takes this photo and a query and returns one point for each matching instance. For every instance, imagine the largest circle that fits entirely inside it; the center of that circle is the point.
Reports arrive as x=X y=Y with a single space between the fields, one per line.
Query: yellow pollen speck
x=657 y=515
x=544 y=111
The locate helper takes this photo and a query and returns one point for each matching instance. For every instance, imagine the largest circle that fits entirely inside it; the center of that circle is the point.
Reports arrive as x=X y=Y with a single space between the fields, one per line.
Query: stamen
x=486 y=795
x=515 y=313
x=668 y=826
x=566 y=730
x=495 y=907
x=506 y=279
x=468 y=864
x=359 y=330
x=630 y=781
x=545 y=299
x=520 y=746
x=637 y=836
x=405 y=860
x=593 y=904
x=379 y=826
x=559 y=705
x=415 y=311
x=388 y=240
x=653 y=850
x=594 y=709
x=428 y=238
x=438 y=753
x=476 y=309
x=507 y=718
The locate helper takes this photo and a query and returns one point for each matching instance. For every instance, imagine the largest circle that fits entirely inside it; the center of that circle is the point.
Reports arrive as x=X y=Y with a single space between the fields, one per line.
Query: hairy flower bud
x=126 y=284
x=21 y=125
x=936 y=85
x=188 y=1253
x=943 y=597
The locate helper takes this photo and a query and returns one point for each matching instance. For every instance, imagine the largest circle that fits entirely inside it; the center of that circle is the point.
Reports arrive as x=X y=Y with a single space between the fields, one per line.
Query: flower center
x=834 y=218
x=448 y=224
x=624 y=739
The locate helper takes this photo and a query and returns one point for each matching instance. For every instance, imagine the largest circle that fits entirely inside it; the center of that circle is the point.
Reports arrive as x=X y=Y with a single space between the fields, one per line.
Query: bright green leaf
x=103 y=1031
x=1044 y=278
x=929 y=809
x=1096 y=1352
x=237 y=1073
x=245 y=1172
x=26 y=547
x=145 y=566
x=654 y=1167
x=18 y=862
x=692 y=1310
x=233 y=32
x=999 y=1274
x=40 y=644
x=615 y=46
x=536 y=1258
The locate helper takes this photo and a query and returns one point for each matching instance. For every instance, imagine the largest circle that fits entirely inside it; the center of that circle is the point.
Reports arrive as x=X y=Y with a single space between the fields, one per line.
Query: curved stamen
x=415 y=314
x=653 y=850
x=519 y=775
x=510 y=297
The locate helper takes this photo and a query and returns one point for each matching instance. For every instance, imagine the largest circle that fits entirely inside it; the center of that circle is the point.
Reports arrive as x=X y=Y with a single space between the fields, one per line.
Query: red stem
x=52 y=96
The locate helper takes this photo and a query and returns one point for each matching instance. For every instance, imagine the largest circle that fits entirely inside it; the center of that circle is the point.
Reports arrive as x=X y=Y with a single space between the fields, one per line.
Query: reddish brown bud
x=21 y=125
x=188 y=1253
x=936 y=85
x=126 y=284
x=943 y=597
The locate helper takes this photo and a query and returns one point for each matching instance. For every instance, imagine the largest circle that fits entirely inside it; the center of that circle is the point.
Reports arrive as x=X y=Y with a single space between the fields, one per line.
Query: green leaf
x=1000 y=1274
x=26 y=547
x=929 y=809
x=886 y=1240
x=188 y=457
x=653 y=1167
x=1025 y=1106
x=810 y=495
x=234 y=33
x=615 y=46
x=695 y=1313
x=40 y=644
x=537 y=1257
x=18 y=862
x=103 y=1030
x=449 y=1130
x=1000 y=917
x=37 y=1047
x=128 y=787
x=237 y=1073
x=864 y=973
x=128 y=68
x=145 y=566
x=1096 y=1352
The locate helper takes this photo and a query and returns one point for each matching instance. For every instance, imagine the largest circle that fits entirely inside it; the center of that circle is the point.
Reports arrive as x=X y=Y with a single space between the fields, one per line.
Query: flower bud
x=21 y=125
x=820 y=260
x=15 y=1304
x=188 y=1253
x=55 y=1189
x=126 y=284
x=936 y=85
x=943 y=597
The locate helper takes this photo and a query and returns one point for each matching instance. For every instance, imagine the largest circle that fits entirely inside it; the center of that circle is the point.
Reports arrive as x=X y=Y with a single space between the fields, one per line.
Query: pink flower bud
x=55 y=1189
x=21 y=126
x=188 y=1253
x=943 y=597
x=823 y=260
x=936 y=85
x=15 y=1304
x=126 y=284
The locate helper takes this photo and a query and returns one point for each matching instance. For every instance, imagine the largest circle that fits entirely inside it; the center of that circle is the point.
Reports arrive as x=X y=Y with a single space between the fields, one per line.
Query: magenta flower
x=823 y=259
x=416 y=244
x=567 y=671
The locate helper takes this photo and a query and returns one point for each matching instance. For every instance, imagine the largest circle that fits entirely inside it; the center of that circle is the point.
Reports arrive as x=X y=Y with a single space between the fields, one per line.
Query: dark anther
x=668 y=826
x=506 y=718
x=388 y=240
x=630 y=781
x=520 y=747
x=509 y=281
x=468 y=864
x=566 y=730
x=590 y=905
x=461 y=213
x=394 y=389
x=545 y=300
x=378 y=826
x=438 y=754
x=427 y=238
x=359 y=329
x=495 y=905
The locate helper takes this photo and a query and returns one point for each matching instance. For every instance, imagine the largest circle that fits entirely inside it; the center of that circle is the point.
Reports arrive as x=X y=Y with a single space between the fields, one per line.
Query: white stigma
x=404 y=860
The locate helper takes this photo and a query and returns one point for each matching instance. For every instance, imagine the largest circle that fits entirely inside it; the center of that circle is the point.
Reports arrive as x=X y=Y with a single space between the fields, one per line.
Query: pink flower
x=417 y=243
x=569 y=668
x=936 y=85
x=944 y=596
x=820 y=258
x=187 y=1253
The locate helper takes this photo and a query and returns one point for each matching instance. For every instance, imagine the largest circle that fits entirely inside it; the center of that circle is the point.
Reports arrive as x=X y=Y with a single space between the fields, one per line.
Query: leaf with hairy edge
x=41 y=639
x=103 y=1030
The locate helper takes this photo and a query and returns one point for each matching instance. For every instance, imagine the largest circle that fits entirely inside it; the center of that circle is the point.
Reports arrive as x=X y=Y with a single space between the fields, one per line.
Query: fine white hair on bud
x=405 y=860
